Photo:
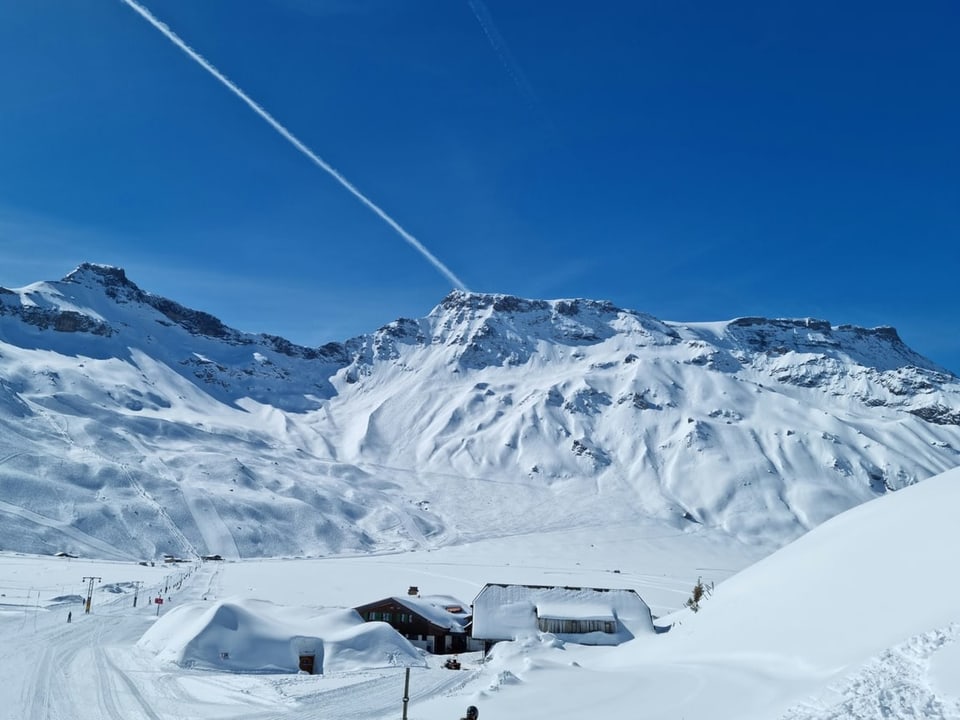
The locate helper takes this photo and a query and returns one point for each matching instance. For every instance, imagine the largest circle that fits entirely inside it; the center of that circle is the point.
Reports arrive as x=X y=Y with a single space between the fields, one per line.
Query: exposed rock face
x=938 y=414
x=66 y=321
x=115 y=285
x=872 y=365
x=195 y=434
x=502 y=330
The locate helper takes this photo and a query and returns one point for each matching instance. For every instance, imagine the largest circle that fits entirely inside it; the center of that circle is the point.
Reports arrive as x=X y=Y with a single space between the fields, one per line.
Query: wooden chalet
x=437 y=624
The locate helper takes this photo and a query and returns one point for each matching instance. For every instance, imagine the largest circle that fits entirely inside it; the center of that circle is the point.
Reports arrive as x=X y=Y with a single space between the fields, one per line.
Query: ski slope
x=856 y=619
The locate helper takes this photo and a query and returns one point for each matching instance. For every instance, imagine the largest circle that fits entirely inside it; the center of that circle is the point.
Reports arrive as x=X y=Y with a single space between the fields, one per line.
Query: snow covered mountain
x=132 y=426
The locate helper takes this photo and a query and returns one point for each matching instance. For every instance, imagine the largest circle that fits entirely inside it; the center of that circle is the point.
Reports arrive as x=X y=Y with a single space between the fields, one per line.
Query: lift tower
x=89 y=592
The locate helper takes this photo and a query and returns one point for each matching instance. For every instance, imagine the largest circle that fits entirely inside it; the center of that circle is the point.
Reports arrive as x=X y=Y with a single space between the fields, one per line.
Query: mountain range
x=132 y=426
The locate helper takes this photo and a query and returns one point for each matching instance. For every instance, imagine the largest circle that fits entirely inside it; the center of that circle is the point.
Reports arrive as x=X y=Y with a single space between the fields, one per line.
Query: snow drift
x=245 y=635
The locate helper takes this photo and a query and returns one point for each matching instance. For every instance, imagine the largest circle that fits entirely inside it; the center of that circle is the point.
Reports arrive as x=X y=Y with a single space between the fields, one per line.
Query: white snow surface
x=808 y=470
x=131 y=426
x=856 y=619
x=503 y=611
x=244 y=635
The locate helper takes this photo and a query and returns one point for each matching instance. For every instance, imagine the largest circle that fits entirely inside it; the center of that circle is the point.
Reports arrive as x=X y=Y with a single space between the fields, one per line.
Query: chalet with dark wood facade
x=437 y=623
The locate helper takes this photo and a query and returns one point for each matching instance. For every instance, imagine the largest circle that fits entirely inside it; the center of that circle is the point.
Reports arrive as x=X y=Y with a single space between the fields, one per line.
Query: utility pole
x=89 y=592
x=136 y=590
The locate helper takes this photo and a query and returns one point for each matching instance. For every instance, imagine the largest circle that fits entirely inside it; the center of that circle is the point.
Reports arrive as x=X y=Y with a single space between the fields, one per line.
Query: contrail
x=499 y=45
x=289 y=136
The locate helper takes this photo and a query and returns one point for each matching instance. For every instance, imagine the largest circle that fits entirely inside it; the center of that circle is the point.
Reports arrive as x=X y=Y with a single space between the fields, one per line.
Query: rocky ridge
x=194 y=437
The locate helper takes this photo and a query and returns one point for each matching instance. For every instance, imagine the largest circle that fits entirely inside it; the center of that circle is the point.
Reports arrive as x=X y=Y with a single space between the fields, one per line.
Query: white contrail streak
x=289 y=136
x=482 y=13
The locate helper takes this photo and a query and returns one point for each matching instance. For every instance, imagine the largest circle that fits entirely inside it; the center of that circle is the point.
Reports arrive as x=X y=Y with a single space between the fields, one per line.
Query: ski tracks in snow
x=68 y=671
x=62 y=526
x=894 y=685
x=90 y=669
x=376 y=697
x=91 y=450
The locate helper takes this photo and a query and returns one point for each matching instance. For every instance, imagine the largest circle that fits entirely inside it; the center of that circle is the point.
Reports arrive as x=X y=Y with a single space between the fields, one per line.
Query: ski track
x=413 y=530
x=90 y=670
x=99 y=545
x=161 y=511
x=129 y=686
x=66 y=670
x=214 y=531
x=37 y=697
x=377 y=697
x=11 y=456
x=79 y=536
x=107 y=695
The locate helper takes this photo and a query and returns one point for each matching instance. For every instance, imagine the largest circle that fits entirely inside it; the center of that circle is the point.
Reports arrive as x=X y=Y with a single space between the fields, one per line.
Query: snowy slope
x=131 y=426
x=856 y=619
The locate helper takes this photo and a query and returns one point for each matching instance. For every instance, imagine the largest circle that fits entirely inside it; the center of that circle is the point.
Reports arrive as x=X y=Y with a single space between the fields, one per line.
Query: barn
x=588 y=616
x=436 y=623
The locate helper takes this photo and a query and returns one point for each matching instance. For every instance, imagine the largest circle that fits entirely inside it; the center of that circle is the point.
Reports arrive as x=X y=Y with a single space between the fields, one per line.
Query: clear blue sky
x=691 y=159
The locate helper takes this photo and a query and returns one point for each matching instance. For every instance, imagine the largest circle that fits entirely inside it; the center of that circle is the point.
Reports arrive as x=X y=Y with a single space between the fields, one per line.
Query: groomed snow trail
x=91 y=669
x=64 y=669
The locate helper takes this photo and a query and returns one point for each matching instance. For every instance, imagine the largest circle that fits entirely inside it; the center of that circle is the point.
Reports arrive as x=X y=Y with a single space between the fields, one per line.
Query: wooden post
x=406 y=692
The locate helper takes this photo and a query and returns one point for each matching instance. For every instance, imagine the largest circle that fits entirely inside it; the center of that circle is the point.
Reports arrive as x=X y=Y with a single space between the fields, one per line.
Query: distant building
x=437 y=623
x=588 y=616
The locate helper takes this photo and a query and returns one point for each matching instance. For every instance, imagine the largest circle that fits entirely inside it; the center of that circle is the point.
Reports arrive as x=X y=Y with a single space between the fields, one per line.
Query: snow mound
x=837 y=581
x=244 y=635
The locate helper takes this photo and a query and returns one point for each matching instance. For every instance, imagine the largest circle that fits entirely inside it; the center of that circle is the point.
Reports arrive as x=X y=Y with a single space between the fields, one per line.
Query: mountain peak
x=107 y=274
x=496 y=329
x=503 y=303
x=879 y=347
x=110 y=280
x=758 y=427
x=115 y=285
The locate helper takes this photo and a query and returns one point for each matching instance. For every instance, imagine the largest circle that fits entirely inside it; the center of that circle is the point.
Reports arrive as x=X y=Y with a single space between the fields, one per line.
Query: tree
x=700 y=591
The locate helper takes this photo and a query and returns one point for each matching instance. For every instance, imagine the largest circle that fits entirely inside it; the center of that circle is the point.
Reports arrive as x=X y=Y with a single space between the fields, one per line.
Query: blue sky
x=694 y=160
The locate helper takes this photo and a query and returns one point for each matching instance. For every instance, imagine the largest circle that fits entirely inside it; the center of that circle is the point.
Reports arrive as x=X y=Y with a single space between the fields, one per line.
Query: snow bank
x=874 y=576
x=857 y=609
x=243 y=635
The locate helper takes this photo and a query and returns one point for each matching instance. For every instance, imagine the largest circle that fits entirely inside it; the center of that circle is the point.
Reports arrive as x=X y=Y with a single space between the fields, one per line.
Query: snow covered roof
x=505 y=612
x=245 y=635
x=444 y=611
x=558 y=609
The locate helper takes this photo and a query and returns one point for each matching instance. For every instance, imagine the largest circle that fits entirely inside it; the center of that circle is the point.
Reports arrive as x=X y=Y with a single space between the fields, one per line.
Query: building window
x=560 y=626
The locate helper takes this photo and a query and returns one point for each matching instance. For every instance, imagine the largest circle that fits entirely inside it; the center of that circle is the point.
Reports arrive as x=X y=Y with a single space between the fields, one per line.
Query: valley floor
x=92 y=669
